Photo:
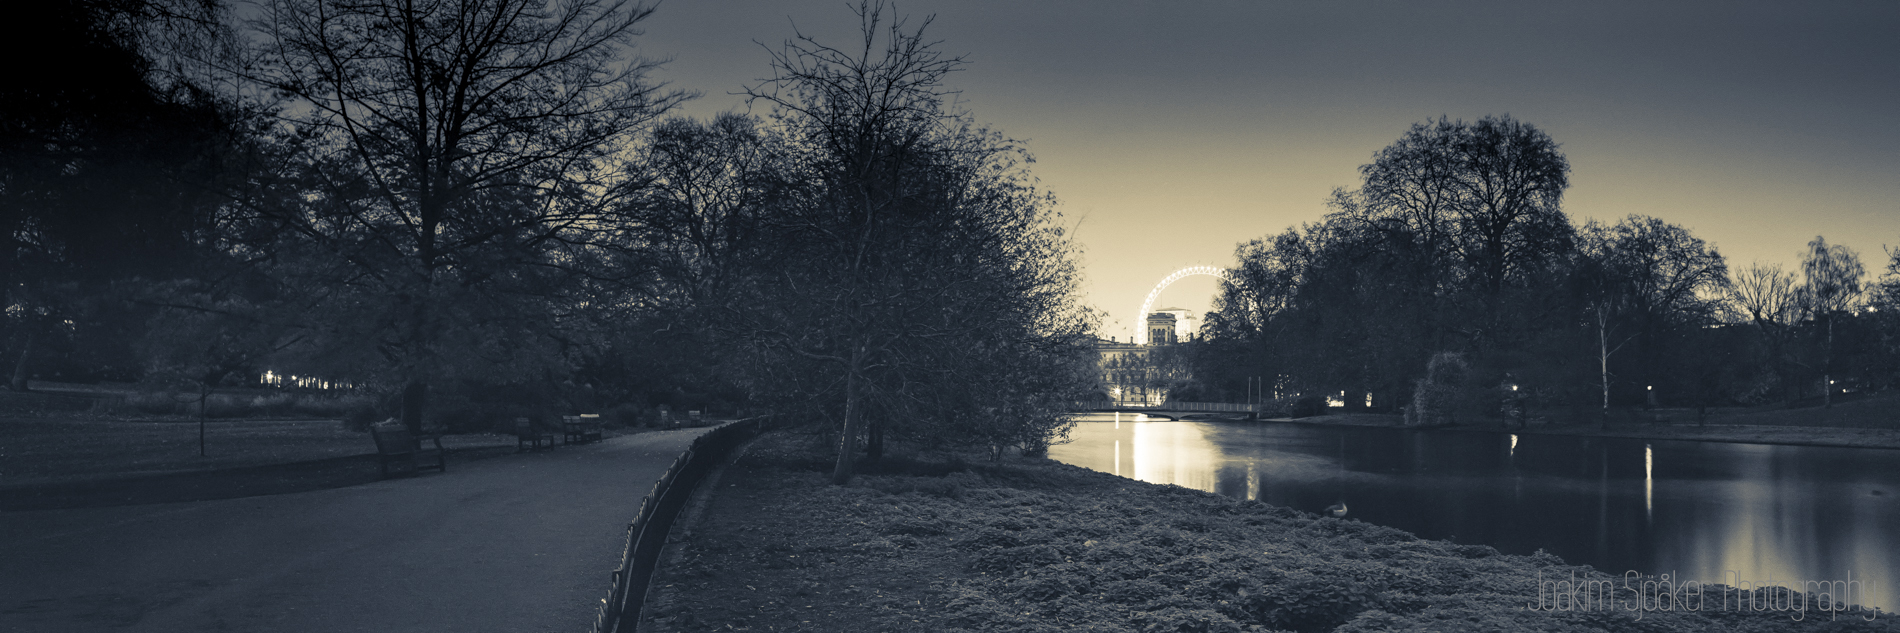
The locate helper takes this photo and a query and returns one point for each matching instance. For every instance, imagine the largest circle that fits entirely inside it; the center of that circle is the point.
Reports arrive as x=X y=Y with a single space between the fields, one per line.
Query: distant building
x=1186 y=323
x=1161 y=329
x=1123 y=368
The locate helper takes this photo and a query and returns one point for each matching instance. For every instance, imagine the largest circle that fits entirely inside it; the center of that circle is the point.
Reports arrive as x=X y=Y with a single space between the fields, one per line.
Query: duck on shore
x=1338 y=510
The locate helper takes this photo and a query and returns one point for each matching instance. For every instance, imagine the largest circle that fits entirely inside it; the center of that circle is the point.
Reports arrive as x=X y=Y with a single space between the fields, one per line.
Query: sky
x=1171 y=132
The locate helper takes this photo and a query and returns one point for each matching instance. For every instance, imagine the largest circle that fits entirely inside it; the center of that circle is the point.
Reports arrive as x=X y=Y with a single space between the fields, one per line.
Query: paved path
x=518 y=543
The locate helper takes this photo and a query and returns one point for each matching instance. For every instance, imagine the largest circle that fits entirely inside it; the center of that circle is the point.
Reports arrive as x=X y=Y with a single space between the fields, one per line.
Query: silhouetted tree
x=1655 y=275
x=1765 y=295
x=1831 y=286
x=1884 y=313
x=1454 y=241
x=106 y=164
x=445 y=151
x=925 y=263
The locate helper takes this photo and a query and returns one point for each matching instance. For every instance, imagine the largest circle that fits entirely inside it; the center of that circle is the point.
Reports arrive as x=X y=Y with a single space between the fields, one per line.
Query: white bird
x=1337 y=509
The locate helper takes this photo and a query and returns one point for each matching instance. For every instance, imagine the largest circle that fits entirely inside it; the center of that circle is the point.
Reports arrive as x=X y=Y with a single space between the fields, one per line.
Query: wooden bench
x=395 y=444
x=529 y=435
x=580 y=428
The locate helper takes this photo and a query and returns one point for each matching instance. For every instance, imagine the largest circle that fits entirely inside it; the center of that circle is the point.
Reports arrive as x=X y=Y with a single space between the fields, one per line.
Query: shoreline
x=1025 y=545
x=1815 y=436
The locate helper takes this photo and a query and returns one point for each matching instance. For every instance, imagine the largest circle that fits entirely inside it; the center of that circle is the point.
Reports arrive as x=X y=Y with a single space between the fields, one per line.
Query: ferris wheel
x=1141 y=332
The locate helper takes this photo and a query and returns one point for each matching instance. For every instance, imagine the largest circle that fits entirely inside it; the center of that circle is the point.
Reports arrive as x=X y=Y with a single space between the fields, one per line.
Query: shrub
x=1440 y=396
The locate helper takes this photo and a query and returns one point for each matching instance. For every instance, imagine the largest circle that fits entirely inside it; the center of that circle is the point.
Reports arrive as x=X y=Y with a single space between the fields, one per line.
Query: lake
x=1707 y=511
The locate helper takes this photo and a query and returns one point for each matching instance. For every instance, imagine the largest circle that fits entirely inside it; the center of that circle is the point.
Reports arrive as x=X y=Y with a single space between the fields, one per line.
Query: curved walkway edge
x=519 y=543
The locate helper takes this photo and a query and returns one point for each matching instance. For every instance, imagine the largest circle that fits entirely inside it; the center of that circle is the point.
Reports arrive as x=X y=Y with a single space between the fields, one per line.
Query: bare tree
x=1606 y=297
x=1764 y=294
x=1656 y=273
x=432 y=133
x=868 y=110
x=708 y=188
x=1510 y=190
x=1485 y=197
x=1831 y=285
x=922 y=263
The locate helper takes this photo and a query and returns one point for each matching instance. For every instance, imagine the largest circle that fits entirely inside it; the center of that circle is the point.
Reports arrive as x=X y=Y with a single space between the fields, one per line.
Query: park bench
x=395 y=444
x=580 y=428
x=529 y=435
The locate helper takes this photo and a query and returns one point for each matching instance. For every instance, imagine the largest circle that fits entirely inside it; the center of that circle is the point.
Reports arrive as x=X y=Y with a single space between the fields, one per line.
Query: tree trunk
x=1603 y=359
x=874 y=446
x=853 y=424
x=1827 y=367
x=20 y=374
x=421 y=343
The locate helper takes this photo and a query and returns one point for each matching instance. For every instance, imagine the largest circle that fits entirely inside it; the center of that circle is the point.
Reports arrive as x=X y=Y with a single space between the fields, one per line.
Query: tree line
x=1450 y=282
x=488 y=204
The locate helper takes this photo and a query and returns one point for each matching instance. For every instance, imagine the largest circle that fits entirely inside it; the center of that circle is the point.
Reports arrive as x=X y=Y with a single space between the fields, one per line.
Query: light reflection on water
x=1715 y=512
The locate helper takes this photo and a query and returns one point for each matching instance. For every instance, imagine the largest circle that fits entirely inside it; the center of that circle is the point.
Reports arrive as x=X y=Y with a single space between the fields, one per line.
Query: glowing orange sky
x=1174 y=131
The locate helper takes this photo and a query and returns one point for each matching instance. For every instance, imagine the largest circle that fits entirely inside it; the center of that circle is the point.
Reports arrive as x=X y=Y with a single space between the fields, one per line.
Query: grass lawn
x=1034 y=545
x=76 y=460
x=41 y=450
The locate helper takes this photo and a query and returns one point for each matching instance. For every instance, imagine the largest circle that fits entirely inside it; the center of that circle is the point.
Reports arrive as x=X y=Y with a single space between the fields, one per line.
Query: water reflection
x=1713 y=512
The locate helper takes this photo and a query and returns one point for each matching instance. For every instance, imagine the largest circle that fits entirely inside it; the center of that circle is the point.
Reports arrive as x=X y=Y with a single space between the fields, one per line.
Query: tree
x=1606 y=298
x=921 y=262
x=203 y=336
x=1658 y=275
x=443 y=150
x=1451 y=243
x=1246 y=332
x=1483 y=200
x=1884 y=311
x=708 y=188
x=867 y=113
x=1766 y=296
x=1509 y=208
x=106 y=162
x=1831 y=285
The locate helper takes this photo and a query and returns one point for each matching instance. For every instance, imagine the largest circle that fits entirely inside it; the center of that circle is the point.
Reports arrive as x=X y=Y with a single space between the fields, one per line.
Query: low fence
x=646 y=535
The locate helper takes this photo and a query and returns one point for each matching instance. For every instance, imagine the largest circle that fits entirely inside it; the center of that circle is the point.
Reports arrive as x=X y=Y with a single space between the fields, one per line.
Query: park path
x=518 y=543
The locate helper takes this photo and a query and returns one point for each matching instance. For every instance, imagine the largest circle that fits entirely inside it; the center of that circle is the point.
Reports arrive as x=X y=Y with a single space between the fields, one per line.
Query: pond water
x=1707 y=511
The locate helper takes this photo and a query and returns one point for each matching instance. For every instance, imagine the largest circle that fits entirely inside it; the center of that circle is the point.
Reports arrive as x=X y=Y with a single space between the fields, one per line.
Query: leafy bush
x=1441 y=395
x=247 y=404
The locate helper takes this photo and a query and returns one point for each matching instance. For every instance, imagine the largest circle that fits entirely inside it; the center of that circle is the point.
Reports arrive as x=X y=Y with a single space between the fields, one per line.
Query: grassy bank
x=1033 y=545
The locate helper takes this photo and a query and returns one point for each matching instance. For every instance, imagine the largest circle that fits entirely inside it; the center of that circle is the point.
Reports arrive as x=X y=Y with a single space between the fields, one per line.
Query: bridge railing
x=1171 y=405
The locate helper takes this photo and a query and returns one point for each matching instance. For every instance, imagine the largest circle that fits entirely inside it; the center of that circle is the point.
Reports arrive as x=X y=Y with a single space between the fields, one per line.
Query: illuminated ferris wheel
x=1141 y=332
